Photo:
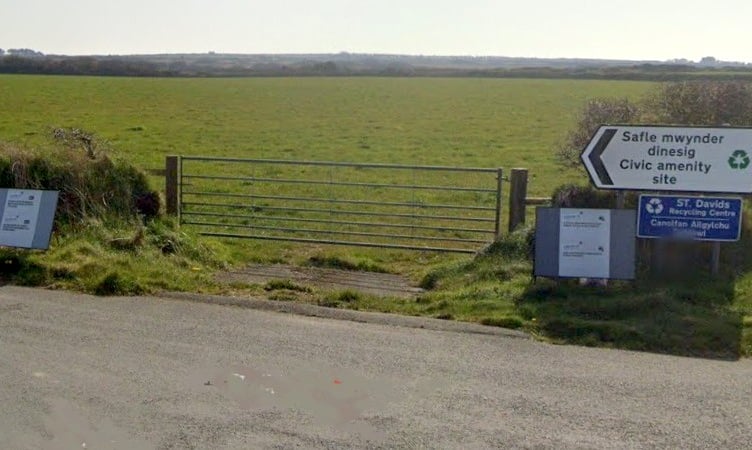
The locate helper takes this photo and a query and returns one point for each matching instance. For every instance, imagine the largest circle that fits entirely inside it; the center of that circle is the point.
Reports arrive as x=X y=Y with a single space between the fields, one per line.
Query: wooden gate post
x=621 y=199
x=171 y=185
x=517 y=198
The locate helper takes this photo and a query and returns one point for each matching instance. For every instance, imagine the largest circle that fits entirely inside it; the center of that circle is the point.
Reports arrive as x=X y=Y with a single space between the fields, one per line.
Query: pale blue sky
x=636 y=29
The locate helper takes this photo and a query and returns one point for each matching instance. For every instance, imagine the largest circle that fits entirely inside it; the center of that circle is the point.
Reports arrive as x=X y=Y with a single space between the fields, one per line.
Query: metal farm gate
x=430 y=208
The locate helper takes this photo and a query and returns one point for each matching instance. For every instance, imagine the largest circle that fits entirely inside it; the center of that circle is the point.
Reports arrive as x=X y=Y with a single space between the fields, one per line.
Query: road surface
x=147 y=373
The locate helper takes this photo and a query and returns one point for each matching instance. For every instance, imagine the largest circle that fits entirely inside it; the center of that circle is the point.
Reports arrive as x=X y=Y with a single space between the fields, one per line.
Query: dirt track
x=381 y=284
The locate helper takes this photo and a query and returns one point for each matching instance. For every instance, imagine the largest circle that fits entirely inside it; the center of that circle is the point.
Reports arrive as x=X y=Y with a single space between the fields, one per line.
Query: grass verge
x=693 y=316
x=696 y=317
x=117 y=257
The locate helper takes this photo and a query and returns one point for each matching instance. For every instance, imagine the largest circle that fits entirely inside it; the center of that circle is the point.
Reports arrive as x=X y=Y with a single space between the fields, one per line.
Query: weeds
x=81 y=254
x=90 y=186
x=336 y=262
x=277 y=285
x=116 y=284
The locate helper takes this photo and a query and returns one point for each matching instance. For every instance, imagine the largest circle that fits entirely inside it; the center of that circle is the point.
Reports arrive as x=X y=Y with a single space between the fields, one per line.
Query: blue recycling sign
x=693 y=218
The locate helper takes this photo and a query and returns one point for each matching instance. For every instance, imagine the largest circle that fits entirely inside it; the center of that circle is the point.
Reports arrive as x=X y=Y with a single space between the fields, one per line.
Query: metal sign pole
x=715 y=259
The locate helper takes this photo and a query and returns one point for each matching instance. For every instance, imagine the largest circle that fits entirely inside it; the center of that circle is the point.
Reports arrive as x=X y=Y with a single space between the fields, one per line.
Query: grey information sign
x=585 y=243
x=26 y=217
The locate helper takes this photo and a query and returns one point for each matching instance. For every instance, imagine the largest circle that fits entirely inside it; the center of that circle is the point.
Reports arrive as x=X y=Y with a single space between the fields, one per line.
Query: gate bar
x=341 y=212
x=339 y=164
x=350 y=202
x=340 y=183
x=349 y=233
x=337 y=222
x=333 y=242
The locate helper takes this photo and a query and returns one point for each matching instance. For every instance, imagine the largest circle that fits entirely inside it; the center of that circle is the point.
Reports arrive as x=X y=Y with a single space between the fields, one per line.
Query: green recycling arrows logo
x=739 y=160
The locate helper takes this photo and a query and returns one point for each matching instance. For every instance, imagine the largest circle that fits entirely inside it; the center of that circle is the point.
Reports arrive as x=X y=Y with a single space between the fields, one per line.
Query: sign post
x=661 y=158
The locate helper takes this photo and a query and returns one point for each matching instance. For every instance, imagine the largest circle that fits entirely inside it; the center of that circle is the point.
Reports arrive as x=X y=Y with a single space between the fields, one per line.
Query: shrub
x=90 y=185
x=577 y=196
x=75 y=138
x=595 y=113
x=703 y=103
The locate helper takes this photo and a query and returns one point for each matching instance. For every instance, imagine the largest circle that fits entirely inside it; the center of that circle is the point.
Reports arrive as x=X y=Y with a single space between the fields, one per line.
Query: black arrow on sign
x=595 y=156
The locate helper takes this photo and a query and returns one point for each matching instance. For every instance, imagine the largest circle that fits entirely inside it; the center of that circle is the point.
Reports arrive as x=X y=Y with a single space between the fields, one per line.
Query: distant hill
x=358 y=64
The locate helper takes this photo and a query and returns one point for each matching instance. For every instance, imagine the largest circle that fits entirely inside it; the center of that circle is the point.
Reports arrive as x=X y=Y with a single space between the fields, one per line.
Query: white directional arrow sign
x=655 y=158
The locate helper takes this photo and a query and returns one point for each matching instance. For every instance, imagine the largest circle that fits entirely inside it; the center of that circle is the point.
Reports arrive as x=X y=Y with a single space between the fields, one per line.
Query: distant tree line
x=82 y=65
x=26 y=61
x=25 y=52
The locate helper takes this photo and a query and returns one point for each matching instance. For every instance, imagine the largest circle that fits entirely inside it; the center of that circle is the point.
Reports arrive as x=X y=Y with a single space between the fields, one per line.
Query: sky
x=609 y=29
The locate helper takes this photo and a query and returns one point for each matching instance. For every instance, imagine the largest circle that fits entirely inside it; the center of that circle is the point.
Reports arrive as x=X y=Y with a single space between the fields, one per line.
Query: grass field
x=455 y=122
x=465 y=122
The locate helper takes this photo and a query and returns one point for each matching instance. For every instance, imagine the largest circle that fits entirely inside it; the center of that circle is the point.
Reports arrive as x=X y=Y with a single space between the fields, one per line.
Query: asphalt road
x=145 y=373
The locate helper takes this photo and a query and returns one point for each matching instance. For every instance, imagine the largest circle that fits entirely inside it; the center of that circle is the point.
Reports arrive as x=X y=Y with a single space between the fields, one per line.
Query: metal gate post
x=499 y=190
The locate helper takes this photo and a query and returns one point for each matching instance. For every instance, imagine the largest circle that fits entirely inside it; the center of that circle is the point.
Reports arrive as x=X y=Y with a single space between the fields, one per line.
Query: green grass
x=693 y=315
x=82 y=258
x=465 y=122
x=692 y=319
x=334 y=262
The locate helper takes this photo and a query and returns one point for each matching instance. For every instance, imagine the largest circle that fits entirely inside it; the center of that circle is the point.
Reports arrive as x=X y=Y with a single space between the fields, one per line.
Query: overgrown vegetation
x=286 y=285
x=706 y=102
x=108 y=236
x=337 y=262
x=695 y=315
x=83 y=257
x=91 y=184
x=693 y=319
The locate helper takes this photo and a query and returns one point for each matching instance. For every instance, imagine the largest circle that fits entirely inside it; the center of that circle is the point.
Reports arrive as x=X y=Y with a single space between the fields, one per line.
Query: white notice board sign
x=19 y=218
x=584 y=243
